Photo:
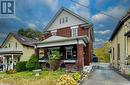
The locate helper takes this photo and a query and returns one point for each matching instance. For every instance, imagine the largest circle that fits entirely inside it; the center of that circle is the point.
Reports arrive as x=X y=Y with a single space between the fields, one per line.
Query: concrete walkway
x=105 y=76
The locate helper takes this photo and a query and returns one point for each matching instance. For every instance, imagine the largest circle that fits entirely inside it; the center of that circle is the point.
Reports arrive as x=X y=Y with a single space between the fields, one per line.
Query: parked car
x=94 y=58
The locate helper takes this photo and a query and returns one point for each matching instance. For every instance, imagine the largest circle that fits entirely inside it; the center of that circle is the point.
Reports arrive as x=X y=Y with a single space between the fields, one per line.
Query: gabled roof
x=23 y=40
x=120 y=23
x=69 y=11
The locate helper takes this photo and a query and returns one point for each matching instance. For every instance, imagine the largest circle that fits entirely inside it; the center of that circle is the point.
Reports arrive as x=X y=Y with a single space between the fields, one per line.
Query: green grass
x=29 y=78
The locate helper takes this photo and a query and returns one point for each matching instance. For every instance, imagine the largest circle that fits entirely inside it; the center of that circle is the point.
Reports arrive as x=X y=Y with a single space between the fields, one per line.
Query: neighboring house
x=70 y=34
x=120 y=45
x=16 y=48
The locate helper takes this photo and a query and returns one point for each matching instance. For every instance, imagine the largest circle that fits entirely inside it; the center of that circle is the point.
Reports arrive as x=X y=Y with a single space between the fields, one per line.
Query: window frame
x=69 y=49
x=74 y=29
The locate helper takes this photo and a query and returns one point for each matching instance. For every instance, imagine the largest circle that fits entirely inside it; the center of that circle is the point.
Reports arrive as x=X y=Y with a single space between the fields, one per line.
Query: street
x=105 y=76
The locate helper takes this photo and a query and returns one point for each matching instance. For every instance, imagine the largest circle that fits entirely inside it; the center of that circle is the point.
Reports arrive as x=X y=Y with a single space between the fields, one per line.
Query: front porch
x=73 y=50
x=10 y=57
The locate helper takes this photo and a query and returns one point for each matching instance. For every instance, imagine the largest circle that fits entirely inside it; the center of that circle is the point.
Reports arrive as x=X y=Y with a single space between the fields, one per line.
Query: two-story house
x=16 y=48
x=120 y=45
x=70 y=34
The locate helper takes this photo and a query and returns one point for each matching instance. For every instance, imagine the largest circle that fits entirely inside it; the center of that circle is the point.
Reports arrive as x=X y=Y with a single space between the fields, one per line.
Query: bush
x=33 y=63
x=66 y=80
x=11 y=71
x=54 y=60
x=21 y=66
x=77 y=76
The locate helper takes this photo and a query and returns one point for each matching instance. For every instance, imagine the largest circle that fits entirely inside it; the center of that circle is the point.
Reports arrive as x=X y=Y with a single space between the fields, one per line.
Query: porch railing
x=64 y=60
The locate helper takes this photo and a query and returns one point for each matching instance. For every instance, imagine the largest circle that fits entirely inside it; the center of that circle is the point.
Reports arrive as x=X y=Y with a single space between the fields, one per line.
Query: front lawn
x=28 y=78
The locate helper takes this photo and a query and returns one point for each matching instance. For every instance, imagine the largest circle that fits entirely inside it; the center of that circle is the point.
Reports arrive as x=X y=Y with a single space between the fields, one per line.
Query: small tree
x=33 y=63
x=21 y=66
x=54 y=60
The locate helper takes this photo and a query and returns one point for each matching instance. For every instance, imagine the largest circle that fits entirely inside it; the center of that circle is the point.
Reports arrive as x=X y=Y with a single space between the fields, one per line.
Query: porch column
x=37 y=51
x=3 y=62
x=80 y=56
x=12 y=59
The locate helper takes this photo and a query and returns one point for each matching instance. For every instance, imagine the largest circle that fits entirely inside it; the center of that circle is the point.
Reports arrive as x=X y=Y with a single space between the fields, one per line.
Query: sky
x=36 y=14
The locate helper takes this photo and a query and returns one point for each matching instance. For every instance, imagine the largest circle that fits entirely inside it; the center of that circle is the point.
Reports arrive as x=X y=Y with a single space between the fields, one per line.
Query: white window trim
x=74 y=27
x=67 y=49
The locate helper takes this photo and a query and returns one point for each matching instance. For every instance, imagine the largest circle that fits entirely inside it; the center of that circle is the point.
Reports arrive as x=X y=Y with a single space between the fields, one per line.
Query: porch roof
x=59 y=40
x=11 y=52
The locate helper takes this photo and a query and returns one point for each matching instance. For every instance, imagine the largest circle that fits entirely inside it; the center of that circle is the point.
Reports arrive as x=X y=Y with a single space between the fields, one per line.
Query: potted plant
x=54 y=60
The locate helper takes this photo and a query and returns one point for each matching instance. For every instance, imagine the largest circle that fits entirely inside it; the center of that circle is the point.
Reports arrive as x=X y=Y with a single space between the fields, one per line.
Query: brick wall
x=65 y=32
x=80 y=56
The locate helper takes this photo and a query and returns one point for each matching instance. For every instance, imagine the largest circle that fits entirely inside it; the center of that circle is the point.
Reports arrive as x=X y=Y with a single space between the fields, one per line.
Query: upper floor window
x=74 y=31
x=63 y=20
x=118 y=49
x=9 y=45
x=66 y=19
x=16 y=45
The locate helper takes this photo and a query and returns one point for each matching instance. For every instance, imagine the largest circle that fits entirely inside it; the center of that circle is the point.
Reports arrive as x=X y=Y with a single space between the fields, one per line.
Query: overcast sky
x=37 y=13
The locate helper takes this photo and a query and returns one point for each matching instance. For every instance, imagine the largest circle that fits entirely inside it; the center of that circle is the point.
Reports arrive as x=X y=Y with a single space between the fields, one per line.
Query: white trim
x=69 y=61
x=42 y=60
x=12 y=59
x=53 y=31
x=74 y=29
x=70 y=49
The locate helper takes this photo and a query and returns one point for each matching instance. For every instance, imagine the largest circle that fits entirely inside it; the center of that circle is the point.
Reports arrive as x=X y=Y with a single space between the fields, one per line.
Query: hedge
x=21 y=66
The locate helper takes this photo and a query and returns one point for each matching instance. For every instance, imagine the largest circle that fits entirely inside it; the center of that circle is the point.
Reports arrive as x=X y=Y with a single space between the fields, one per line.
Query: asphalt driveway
x=105 y=76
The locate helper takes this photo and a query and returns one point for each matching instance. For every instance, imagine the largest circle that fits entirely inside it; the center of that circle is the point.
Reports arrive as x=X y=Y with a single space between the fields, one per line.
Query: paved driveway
x=105 y=76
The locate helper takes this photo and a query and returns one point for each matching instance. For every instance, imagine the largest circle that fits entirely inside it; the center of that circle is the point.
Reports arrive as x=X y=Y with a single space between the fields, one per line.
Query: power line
x=96 y=10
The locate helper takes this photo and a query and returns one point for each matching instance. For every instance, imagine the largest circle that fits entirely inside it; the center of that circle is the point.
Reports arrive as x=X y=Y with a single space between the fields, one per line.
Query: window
x=16 y=45
x=9 y=45
x=52 y=49
x=60 y=21
x=74 y=31
x=66 y=19
x=18 y=58
x=113 y=54
x=118 y=53
x=63 y=20
x=69 y=53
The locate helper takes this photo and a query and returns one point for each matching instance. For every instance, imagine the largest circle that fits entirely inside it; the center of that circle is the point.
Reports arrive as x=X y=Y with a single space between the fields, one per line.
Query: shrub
x=33 y=63
x=54 y=60
x=21 y=66
x=77 y=76
x=11 y=71
x=66 y=80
